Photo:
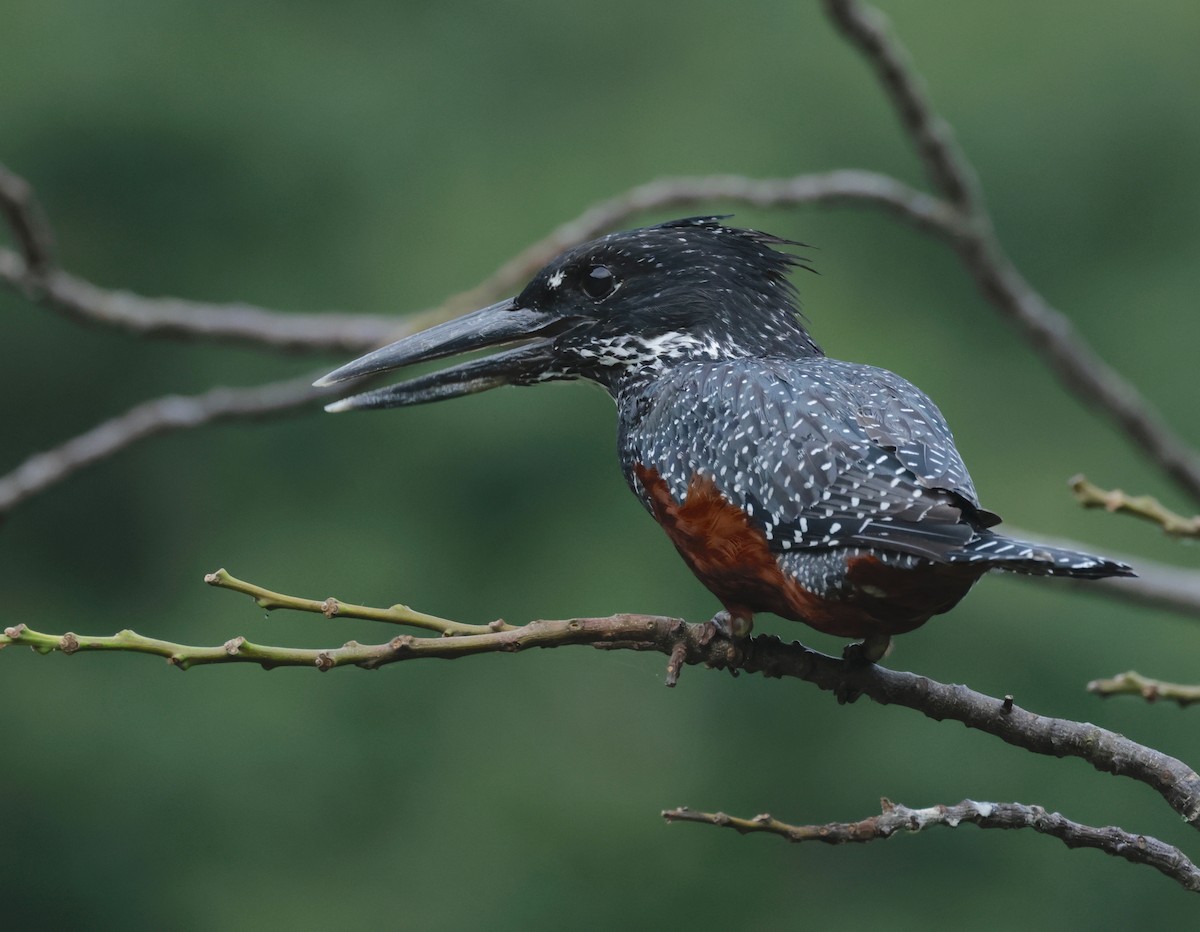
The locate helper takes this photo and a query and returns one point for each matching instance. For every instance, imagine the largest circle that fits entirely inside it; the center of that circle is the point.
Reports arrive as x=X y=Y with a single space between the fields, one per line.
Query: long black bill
x=502 y=323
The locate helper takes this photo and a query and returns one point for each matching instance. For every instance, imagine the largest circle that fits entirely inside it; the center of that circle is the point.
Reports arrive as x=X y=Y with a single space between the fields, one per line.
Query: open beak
x=498 y=325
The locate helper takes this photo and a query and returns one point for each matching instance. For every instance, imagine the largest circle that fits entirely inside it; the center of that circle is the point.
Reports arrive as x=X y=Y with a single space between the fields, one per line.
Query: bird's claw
x=869 y=650
x=734 y=627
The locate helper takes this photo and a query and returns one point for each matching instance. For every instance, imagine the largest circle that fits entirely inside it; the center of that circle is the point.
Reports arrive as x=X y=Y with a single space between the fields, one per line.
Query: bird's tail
x=1022 y=556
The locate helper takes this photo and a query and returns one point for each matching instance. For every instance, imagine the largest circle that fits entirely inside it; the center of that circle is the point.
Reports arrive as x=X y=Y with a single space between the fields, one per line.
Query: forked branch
x=684 y=644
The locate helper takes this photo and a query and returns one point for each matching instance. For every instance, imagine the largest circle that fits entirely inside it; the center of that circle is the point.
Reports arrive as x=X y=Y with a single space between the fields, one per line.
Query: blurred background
x=376 y=157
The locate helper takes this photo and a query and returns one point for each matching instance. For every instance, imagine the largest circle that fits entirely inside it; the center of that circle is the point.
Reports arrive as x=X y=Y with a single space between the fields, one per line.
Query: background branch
x=344 y=333
x=1048 y=331
x=1141 y=506
x=28 y=223
x=1132 y=683
x=1160 y=585
x=952 y=174
x=964 y=223
x=148 y=419
x=1138 y=849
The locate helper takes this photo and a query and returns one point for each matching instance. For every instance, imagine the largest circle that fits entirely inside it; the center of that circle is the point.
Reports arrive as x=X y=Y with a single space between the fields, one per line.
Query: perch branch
x=1131 y=683
x=1105 y=750
x=894 y=817
x=1047 y=330
x=1141 y=506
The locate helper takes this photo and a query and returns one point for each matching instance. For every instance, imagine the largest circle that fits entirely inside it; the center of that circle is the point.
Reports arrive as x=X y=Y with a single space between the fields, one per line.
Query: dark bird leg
x=870 y=649
x=735 y=627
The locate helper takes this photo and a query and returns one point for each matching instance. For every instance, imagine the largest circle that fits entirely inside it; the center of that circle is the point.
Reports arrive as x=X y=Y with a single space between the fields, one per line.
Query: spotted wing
x=818 y=453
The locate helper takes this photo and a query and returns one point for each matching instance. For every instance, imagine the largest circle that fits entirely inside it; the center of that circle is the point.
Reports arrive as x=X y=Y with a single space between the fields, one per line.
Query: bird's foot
x=860 y=654
x=736 y=629
x=870 y=649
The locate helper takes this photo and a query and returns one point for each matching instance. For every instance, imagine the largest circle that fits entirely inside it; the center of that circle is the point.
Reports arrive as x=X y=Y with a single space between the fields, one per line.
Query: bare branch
x=845 y=187
x=1047 y=330
x=1161 y=585
x=176 y=318
x=1139 y=849
x=1093 y=381
x=242 y=323
x=1140 y=506
x=948 y=168
x=1132 y=683
x=1105 y=750
x=1158 y=584
x=27 y=220
x=172 y=412
x=968 y=230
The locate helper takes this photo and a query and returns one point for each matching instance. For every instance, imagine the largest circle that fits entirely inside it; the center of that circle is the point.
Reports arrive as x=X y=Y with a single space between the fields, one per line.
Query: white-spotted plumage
x=812 y=478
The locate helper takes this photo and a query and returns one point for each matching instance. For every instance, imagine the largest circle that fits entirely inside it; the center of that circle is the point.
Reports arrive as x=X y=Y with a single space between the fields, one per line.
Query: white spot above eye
x=555 y=280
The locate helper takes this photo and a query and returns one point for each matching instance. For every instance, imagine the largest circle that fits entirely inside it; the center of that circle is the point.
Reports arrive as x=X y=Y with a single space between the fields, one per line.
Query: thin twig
x=172 y=412
x=28 y=223
x=1139 y=849
x=177 y=318
x=1140 y=506
x=336 y=608
x=1105 y=750
x=948 y=168
x=1047 y=330
x=849 y=187
x=242 y=323
x=1132 y=683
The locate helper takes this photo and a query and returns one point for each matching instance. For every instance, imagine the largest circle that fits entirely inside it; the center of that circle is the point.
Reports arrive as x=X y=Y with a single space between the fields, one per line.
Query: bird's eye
x=599 y=283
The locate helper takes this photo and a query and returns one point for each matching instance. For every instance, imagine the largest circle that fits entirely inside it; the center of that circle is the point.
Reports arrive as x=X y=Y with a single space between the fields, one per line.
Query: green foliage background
x=376 y=157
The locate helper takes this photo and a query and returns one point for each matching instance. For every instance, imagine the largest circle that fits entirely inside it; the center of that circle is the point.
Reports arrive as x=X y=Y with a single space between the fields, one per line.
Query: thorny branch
x=894 y=817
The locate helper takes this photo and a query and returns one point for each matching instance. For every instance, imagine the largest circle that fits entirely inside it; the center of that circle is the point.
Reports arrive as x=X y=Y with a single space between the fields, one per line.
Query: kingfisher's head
x=623 y=306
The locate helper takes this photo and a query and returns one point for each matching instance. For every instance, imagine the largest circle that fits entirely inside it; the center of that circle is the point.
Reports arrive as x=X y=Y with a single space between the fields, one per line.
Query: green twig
x=352 y=653
x=1132 y=683
x=1141 y=506
x=334 y=608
